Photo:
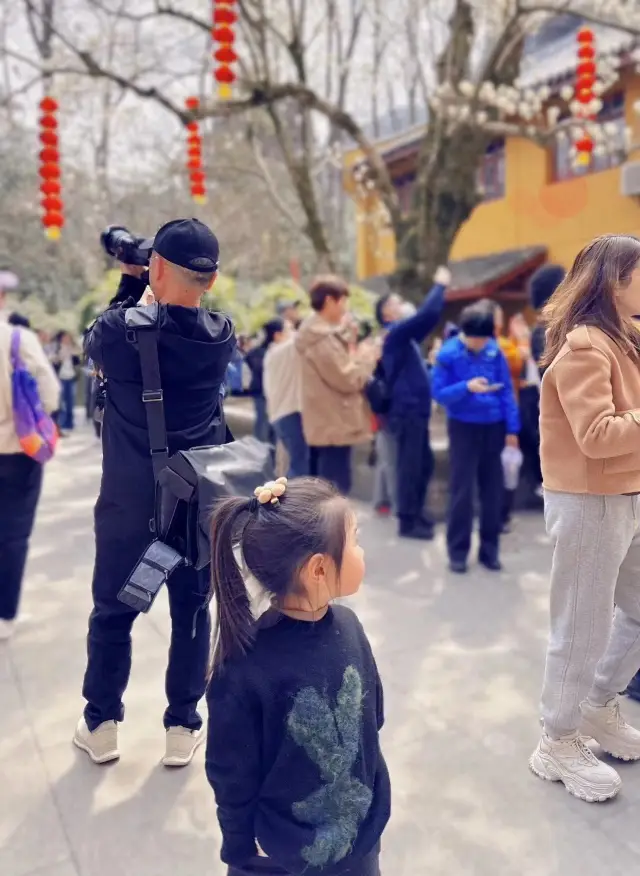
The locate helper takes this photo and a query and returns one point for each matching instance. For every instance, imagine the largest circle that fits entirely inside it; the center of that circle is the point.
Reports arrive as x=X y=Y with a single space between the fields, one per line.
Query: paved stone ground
x=461 y=660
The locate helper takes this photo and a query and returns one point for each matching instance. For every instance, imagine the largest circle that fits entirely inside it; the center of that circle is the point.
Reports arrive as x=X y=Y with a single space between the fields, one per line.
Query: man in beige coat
x=335 y=415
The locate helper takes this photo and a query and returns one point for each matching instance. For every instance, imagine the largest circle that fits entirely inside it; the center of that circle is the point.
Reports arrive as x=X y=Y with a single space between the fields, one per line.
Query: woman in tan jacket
x=590 y=453
x=335 y=415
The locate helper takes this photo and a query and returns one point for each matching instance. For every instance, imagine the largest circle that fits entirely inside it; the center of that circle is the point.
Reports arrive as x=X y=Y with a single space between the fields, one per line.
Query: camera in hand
x=118 y=242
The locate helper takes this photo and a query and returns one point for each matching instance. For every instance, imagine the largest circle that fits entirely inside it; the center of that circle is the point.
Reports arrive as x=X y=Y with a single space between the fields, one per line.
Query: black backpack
x=188 y=483
x=378 y=390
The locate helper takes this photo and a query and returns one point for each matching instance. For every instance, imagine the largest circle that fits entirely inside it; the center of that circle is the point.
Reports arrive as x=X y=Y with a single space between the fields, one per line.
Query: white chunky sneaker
x=7 y=629
x=182 y=744
x=570 y=761
x=101 y=745
x=606 y=725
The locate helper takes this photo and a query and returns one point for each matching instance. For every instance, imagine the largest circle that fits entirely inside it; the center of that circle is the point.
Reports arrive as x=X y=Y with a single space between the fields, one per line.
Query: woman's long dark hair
x=275 y=542
x=587 y=295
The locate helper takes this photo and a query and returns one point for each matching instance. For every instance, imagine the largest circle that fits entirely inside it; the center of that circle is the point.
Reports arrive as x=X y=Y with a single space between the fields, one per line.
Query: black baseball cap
x=187 y=243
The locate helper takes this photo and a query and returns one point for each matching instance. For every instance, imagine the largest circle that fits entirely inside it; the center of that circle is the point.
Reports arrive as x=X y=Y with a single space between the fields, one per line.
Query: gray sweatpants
x=596 y=565
x=384 y=485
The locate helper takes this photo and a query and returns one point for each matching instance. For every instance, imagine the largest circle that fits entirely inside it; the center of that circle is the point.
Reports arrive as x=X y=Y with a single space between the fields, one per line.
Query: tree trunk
x=444 y=197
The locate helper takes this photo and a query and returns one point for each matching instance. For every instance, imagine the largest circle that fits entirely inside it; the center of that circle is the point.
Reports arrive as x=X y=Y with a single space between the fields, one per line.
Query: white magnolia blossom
x=553 y=115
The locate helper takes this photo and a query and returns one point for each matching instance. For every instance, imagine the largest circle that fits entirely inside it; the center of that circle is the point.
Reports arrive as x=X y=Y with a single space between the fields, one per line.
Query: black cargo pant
x=121 y=538
x=475 y=458
x=414 y=466
x=20 y=484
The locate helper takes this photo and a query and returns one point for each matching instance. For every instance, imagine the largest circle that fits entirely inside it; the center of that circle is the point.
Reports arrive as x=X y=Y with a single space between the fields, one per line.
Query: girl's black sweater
x=293 y=753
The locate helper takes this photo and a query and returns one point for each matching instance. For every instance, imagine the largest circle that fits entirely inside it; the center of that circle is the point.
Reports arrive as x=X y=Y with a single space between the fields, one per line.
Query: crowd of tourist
x=310 y=378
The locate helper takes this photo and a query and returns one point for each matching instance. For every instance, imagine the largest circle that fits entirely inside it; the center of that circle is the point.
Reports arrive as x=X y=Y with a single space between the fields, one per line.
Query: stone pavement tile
x=470 y=811
x=15 y=721
x=135 y=818
x=66 y=869
x=31 y=834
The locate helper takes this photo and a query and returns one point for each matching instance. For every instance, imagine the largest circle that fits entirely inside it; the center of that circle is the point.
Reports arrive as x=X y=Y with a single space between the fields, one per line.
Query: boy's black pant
x=122 y=535
x=333 y=464
x=475 y=456
x=414 y=465
x=20 y=483
x=530 y=435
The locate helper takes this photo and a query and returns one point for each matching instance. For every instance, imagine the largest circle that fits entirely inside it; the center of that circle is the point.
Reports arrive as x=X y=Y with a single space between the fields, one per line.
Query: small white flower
x=566 y=92
x=553 y=114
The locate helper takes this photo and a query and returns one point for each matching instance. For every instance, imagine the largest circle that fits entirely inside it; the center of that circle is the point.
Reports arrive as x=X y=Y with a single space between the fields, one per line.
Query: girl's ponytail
x=234 y=621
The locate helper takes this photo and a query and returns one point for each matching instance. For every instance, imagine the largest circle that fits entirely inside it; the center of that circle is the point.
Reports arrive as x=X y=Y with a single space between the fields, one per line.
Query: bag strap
x=15 y=348
x=145 y=337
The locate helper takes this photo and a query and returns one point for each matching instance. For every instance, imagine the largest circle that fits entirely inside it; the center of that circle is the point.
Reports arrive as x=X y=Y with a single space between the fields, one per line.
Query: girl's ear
x=316 y=569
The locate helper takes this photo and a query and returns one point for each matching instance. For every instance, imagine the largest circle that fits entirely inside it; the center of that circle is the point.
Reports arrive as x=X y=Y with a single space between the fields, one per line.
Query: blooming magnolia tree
x=318 y=70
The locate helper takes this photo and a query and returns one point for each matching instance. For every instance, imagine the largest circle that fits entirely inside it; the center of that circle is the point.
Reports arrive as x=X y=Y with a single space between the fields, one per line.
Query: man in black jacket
x=194 y=348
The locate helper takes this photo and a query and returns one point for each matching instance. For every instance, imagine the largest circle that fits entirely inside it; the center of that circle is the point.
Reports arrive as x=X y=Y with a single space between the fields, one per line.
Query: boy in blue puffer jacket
x=471 y=380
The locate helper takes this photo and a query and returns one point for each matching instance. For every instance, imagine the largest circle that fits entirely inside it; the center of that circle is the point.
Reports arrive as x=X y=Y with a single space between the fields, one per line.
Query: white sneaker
x=7 y=629
x=570 y=761
x=182 y=744
x=606 y=725
x=101 y=745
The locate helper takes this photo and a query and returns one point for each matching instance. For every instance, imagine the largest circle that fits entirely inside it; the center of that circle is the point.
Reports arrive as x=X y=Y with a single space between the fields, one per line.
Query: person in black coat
x=255 y=361
x=194 y=348
x=542 y=285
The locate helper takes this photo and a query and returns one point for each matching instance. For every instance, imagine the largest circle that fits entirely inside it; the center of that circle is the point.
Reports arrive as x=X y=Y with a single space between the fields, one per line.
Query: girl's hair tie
x=269 y=493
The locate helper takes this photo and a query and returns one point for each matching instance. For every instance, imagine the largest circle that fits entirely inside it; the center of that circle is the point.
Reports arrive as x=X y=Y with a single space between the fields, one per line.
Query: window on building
x=491 y=173
x=613 y=115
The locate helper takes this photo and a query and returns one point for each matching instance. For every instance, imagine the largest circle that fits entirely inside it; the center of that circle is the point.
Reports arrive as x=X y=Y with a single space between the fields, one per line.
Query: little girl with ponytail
x=295 y=700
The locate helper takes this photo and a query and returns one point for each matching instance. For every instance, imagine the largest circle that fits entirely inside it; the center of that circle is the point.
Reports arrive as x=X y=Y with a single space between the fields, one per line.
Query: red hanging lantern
x=50 y=187
x=585 y=145
x=225 y=74
x=52 y=205
x=224 y=37
x=586 y=68
x=225 y=55
x=49 y=154
x=224 y=16
x=584 y=94
x=194 y=156
x=586 y=53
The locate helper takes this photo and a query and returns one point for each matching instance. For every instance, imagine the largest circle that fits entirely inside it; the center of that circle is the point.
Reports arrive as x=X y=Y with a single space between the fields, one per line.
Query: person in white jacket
x=282 y=389
x=20 y=476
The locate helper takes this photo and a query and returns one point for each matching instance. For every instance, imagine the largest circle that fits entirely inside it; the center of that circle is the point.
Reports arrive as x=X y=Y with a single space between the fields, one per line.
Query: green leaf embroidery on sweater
x=331 y=739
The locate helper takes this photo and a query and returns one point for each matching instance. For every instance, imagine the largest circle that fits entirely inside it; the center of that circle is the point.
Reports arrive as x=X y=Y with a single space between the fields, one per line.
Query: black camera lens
x=122 y=245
